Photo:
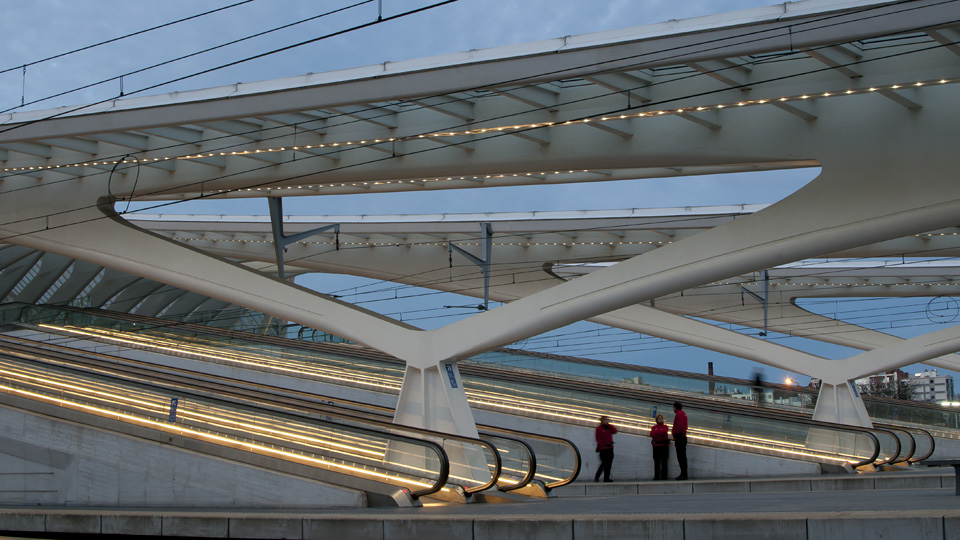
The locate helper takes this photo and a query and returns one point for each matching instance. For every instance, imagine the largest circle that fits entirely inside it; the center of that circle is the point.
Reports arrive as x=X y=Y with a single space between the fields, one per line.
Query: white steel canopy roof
x=865 y=90
x=574 y=109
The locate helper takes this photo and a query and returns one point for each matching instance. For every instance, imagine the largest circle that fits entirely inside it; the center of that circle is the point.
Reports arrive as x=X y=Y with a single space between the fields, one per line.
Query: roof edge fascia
x=722 y=210
x=673 y=27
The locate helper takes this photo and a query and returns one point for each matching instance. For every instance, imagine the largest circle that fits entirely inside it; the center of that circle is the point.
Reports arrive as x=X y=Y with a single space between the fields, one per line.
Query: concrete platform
x=882 y=505
x=913 y=478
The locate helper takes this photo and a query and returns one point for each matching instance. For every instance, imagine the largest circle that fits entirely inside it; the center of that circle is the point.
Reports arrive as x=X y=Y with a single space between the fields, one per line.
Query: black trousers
x=661 y=455
x=606 y=462
x=680 y=441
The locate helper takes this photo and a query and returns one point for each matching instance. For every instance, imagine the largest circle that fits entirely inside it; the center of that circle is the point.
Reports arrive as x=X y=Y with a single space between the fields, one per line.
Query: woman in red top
x=660 y=439
x=604 y=434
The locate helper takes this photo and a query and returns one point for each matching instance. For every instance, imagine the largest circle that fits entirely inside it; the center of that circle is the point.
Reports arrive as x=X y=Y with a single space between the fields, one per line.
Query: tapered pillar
x=841 y=404
x=433 y=397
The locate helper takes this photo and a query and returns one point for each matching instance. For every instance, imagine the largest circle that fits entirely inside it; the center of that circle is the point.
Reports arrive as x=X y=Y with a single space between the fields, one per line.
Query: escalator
x=521 y=391
x=303 y=428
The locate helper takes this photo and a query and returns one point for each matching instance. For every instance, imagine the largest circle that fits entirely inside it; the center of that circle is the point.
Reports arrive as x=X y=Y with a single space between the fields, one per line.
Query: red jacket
x=605 y=436
x=679 y=424
x=660 y=435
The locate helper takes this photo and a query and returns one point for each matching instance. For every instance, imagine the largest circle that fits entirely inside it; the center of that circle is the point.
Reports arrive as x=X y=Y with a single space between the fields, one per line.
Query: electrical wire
x=125 y=36
x=651 y=53
x=246 y=172
x=179 y=58
x=71 y=110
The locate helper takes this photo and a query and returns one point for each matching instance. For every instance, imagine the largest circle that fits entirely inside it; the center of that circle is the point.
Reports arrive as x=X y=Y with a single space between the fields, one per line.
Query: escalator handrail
x=893 y=458
x=905 y=454
x=574 y=474
x=310 y=346
x=442 y=457
x=379 y=423
x=914 y=431
x=532 y=466
x=933 y=445
x=607 y=388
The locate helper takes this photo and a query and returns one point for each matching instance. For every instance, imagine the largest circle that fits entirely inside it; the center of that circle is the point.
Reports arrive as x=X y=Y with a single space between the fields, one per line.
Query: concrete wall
x=491 y=527
x=946 y=448
x=47 y=461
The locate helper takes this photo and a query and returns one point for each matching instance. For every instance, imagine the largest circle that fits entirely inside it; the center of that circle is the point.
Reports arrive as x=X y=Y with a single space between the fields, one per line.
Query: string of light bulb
x=482 y=131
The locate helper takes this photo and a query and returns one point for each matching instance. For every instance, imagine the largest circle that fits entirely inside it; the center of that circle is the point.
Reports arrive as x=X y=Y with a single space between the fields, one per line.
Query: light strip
x=485 y=131
x=219 y=439
x=273 y=365
x=523 y=405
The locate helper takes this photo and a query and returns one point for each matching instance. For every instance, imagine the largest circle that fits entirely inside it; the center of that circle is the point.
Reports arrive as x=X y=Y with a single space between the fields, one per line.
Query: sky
x=36 y=30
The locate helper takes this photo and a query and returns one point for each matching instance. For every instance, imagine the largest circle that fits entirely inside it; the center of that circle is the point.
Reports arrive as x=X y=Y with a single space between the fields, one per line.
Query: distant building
x=928 y=386
x=931 y=386
x=884 y=384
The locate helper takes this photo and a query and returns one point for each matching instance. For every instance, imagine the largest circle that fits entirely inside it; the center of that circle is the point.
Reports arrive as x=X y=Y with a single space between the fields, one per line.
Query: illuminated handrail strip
x=705 y=435
x=186 y=416
x=194 y=433
x=159 y=405
x=376 y=382
x=257 y=426
x=746 y=441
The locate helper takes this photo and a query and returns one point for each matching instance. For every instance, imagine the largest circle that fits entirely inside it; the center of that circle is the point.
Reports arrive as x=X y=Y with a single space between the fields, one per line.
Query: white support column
x=841 y=404
x=433 y=397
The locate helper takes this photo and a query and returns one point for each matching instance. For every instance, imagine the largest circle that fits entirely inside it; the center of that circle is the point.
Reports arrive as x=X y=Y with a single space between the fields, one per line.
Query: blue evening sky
x=37 y=29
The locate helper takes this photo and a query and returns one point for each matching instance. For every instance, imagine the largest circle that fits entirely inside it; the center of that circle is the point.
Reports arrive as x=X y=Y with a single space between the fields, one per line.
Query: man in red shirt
x=679 y=432
x=604 y=434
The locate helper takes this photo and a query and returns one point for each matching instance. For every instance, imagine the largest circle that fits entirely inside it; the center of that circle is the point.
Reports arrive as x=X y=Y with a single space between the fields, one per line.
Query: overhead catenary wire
x=537 y=276
x=641 y=55
x=411 y=153
x=124 y=36
x=177 y=59
x=807 y=327
x=71 y=110
x=563 y=342
x=222 y=192
x=613 y=344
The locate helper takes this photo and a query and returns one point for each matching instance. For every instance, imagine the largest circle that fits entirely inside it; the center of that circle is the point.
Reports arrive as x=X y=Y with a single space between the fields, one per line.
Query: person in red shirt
x=604 y=434
x=680 y=437
x=660 y=439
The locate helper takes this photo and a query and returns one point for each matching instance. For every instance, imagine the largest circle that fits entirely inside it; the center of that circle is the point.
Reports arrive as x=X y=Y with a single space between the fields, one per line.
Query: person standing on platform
x=680 y=437
x=660 y=439
x=758 y=387
x=604 y=433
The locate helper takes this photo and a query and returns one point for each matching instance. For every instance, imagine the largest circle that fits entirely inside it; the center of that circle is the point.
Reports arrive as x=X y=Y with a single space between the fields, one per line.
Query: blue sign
x=452 y=375
x=173 y=409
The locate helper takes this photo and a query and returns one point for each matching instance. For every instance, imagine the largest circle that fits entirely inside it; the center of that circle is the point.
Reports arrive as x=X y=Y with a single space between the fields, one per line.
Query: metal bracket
x=763 y=300
x=281 y=241
x=486 y=251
